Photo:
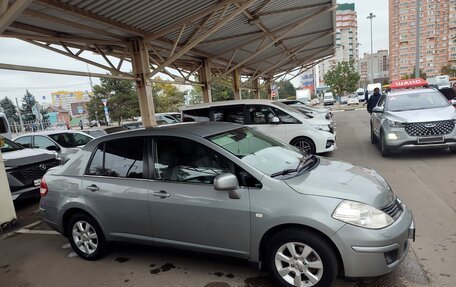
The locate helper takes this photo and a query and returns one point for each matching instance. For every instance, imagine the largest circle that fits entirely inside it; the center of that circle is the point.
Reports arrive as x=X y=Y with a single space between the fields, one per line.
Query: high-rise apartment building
x=438 y=31
x=346 y=39
x=379 y=69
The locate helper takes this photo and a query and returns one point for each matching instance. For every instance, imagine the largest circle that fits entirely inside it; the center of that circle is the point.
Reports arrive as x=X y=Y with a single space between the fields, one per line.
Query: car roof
x=411 y=91
x=199 y=129
x=228 y=103
x=46 y=133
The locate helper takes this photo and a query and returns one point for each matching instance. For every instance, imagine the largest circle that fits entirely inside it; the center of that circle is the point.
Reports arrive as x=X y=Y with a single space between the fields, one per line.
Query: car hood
x=343 y=180
x=27 y=156
x=318 y=122
x=427 y=115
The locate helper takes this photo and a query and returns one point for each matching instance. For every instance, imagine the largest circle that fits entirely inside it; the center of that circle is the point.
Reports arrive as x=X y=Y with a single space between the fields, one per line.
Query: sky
x=14 y=83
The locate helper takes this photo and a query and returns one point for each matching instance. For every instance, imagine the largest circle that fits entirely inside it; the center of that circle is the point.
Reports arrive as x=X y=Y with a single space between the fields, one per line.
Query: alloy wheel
x=304 y=146
x=299 y=264
x=85 y=237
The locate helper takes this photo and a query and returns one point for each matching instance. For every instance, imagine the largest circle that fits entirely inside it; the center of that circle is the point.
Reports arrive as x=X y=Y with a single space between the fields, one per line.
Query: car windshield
x=416 y=101
x=70 y=139
x=260 y=151
x=10 y=146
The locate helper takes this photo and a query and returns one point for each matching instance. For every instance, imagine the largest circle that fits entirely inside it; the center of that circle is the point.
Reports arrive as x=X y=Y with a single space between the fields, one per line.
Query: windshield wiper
x=304 y=163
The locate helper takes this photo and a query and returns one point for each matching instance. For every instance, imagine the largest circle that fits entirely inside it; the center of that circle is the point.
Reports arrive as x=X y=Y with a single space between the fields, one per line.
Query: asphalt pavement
x=425 y=180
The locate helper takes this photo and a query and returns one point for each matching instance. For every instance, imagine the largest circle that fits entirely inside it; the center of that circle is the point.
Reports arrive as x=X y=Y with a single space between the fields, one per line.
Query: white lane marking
x=43 y=232
x=66 y=246
x=72 y=254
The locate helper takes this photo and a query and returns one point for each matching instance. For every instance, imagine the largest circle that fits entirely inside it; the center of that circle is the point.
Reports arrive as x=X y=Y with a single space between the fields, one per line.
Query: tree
x=286 y=89
x=167 y=98
x=9 y=109
x=422 y=74
x=122 y=99
x=28 y=104
x=448 y=70
x=195 y=95
x=342 y=78
x=222 y=91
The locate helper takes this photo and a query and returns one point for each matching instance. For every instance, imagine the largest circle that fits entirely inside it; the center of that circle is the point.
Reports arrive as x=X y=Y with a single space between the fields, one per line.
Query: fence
x=32 y=126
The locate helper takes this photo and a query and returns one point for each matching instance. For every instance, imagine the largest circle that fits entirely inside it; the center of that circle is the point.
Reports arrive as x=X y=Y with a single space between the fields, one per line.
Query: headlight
x=362 y=215
x=323 y=128
x=394 y=124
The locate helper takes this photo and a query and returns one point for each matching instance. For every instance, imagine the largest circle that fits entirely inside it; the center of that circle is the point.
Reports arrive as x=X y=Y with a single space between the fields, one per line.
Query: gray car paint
x=197 y=217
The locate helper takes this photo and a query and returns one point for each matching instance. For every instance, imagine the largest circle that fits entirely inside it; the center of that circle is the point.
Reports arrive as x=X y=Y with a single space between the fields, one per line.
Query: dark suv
x=25 y=167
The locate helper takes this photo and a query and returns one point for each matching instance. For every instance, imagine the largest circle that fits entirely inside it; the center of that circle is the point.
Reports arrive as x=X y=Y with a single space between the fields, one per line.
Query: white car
x=353 y=100
x=318 y=122
x=270 y=117
x=328 y=99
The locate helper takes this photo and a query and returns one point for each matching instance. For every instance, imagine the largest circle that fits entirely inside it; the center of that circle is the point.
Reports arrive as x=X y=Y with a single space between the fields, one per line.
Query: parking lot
x=425 y=180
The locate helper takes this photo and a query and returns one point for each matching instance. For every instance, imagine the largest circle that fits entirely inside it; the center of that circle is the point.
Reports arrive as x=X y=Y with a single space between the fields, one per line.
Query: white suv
x=273 y=118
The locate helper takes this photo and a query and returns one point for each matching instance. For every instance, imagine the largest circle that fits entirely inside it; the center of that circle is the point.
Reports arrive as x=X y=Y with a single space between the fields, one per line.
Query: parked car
x=413 y=119
x=5 y=129
x=318 y=122
x=328 y=99
x=227 y=189
x=95 y=123
x=65 y=143
x=271 y=117
x=353 y=100
x=60 y=126
x=25 y=167
x=360 y=93
x=343 y=100
x=322 y=113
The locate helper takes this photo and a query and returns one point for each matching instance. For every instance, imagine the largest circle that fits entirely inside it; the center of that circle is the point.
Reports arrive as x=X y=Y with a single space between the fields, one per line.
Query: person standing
x=81 y=124
x=373 y=100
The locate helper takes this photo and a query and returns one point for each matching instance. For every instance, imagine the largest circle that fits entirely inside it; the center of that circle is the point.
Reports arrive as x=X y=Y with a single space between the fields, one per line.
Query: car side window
x=284 y=117
x=197 y=115
x=81 y=139
x=259 y=114
x=381 y=102
x=119 y=158
x=25 y=141
x=232 y=114
x=43 y=142
x=183 y=160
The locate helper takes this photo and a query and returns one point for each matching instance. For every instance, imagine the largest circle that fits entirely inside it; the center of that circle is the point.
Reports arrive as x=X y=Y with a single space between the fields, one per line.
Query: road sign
x=104 y=101
x=106 y=109
x=80 y=110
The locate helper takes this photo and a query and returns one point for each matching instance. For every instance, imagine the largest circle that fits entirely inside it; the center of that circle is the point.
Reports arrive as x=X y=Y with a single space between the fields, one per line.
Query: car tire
x=304 y=144
x=86 y=237
x=453 y=149
x=384 y=149
x=289 y=265
x=373 y=138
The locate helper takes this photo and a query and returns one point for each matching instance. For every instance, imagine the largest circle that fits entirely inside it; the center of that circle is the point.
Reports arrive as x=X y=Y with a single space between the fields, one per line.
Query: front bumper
x=24 y=193
x=327 y=144
x=398 y=139
x=370 y=253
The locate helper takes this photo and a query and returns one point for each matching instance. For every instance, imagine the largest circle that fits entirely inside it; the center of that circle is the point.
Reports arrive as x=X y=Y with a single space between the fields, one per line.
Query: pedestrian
x=67 y=125
x=373 y=100
x=454 y=87
x=81 y=124
x=366 y=96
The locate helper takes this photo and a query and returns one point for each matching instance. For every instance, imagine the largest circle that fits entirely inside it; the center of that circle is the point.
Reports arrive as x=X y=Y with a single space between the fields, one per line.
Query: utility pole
x=417 y=56
x=20 y=116
x=370 y=17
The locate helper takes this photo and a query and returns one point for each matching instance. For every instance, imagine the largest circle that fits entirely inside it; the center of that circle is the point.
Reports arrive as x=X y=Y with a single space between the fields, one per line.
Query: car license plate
x=425 y=140
x=37 y=182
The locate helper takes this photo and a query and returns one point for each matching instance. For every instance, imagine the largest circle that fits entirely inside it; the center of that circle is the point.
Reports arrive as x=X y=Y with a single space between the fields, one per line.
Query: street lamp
x=370 y=17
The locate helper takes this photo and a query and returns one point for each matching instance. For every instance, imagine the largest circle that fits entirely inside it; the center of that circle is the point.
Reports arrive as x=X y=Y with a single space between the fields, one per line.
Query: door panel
x=184 y=206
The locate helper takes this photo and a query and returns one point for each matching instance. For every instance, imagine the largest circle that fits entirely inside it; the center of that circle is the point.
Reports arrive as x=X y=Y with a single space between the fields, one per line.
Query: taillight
x=43 y=188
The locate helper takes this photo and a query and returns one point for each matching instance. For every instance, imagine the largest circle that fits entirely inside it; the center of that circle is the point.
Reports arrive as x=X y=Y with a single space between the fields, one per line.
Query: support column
x=256 y=86
x=236 y=84
x=141 y=70
x=7 y=212
x=268 y=85
x=205 y=79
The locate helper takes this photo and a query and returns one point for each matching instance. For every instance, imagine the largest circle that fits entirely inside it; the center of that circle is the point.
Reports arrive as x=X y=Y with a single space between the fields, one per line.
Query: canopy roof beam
x=9 y=14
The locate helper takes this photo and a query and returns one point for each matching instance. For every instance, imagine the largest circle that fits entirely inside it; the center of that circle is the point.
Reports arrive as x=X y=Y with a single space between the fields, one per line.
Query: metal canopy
x=258 y=38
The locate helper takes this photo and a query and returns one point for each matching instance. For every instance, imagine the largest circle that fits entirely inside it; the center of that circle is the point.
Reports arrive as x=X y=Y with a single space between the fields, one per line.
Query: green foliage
x=196 y=95
x=167 y=98
x=342 y=78
x=448 y=70
x=222 y=91
x=286 y=89
x=28 y=102
x=421 y=75
x=122 y=99
x=9 y=109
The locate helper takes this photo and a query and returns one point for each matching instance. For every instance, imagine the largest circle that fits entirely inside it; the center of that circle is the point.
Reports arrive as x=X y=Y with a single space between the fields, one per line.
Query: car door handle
x=92 y=187
x=161 y=194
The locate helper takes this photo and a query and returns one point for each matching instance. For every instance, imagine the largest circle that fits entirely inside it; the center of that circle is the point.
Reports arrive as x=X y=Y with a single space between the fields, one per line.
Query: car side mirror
x=378 y=110
x=227 y=182
x=275 y=120
x=53 y=148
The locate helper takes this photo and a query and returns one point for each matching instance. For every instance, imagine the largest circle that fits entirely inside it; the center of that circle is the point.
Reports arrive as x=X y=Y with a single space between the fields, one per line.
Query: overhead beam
x=294 y=9
x=3 y=7
x=283 y=35
x=10 y=14
x=201 y=38
x=62 y=72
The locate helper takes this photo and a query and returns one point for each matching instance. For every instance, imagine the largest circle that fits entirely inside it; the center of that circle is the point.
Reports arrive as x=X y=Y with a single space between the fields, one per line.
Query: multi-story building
x=374 y=68
x=71 y=101
x=346 y=39
x=437 y=31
